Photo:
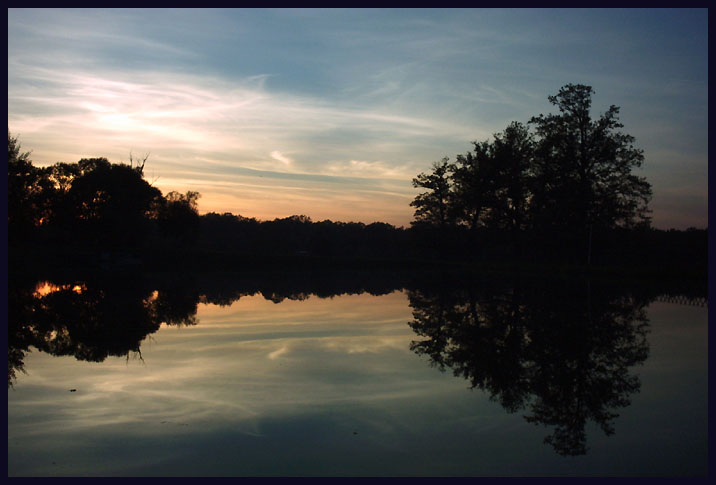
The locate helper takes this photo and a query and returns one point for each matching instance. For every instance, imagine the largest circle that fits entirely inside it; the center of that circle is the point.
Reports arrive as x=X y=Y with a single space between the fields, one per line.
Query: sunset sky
x=331 y=113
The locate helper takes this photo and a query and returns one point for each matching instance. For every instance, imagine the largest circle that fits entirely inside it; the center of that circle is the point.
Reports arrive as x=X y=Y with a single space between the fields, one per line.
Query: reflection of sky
x=355 y=101
x=329 y=386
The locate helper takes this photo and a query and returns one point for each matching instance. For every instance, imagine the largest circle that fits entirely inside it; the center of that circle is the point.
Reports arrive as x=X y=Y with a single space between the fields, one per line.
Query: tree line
x=560 y=189
x=552 y=182
x=86 y=210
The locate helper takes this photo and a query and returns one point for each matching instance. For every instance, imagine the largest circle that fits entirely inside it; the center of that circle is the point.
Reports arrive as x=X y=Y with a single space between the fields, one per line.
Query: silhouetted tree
x=584 y=167
x=492 y=183
x=28 y=189
x=434 y=206
x=111 y=203
x=228 y=232
x=92 y=205
x=178 y=216
x=475 y=186
x=573 y=175
x=513 y=154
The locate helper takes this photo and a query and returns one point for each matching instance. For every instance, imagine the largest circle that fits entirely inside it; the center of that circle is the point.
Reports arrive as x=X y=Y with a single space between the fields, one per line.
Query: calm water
x=528 y=381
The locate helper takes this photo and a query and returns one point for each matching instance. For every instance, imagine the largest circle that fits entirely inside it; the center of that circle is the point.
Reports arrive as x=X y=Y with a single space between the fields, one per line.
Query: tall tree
x=492 y=183
x=513 y=155
x=433 y=206
x=584 y=166
x=475 y=185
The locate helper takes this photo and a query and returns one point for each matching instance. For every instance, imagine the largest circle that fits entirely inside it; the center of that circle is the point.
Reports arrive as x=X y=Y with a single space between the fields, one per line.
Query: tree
x=111 y=203
x=178 y=216
x=474 y=181
x=13 y=150
x=492 y=182
x=433 y=207
x=584 y=167
x=513 y=154
x=28 y=193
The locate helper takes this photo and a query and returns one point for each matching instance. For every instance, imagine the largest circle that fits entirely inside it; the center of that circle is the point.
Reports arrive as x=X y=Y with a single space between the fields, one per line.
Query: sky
x=330 y=113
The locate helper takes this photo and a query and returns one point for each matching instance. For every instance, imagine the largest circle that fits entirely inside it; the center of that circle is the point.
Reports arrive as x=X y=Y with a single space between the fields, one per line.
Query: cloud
x=276 y=155
x=197 y=127
x=170 y=112
x=377 y=95
x=377 y=169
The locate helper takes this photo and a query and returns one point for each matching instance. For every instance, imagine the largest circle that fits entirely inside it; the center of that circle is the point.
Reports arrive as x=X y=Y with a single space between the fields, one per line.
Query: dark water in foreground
x=576 y=378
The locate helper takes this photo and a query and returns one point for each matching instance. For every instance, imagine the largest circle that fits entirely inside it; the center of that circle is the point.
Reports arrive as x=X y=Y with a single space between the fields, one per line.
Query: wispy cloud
x=241 y=117
x=375 y=95
x=233 y=126
x=378 y=169
x=277 y=155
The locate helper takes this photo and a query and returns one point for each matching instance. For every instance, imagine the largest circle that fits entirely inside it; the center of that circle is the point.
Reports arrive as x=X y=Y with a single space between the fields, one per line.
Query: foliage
x=91 y=203
x=28 y=189
x=433 y=207
x=584 y=166
x=553 y=190
x=572 y=173
x=492 y=183
x=111 y=203
x=178 y=216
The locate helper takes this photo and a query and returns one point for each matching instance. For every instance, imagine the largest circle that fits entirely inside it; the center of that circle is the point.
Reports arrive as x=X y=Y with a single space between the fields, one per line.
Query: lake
x=289 y=377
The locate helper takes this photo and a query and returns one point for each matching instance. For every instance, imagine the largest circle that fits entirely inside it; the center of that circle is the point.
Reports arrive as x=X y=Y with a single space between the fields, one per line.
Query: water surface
x=408 y=382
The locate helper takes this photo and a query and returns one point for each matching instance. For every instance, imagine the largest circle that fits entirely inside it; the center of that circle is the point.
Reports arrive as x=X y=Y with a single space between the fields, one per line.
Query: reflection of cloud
x=218 y=372
x=207 y=394
x=277 y=353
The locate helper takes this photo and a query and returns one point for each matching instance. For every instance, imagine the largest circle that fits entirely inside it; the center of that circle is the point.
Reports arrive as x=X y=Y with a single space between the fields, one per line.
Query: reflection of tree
x=562 y=353
x=90 y=320
x=93 y=318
